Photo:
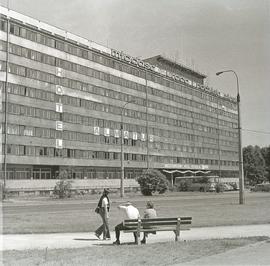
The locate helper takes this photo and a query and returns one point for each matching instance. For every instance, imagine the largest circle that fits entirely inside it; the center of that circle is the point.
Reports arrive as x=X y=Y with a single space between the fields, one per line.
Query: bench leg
x=177 y=235
x=177 y=231
x=138 y=240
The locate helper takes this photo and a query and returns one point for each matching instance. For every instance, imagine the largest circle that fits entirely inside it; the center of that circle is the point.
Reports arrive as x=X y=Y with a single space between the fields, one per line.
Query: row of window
x=85 y=120
x=67 y=47
x=22 y=130
x=23 y=150
x=110 y=93
x=91 y=121
x=80 y=173
x=15 y=69
x=73 y=118
x=84 y=173
x=78 y=102
x=34 y=112
x=44 y=58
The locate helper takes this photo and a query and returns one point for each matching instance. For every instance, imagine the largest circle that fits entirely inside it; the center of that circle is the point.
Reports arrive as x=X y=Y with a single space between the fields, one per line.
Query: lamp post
x=240 y=154
x=122 y=153
x=6 y=111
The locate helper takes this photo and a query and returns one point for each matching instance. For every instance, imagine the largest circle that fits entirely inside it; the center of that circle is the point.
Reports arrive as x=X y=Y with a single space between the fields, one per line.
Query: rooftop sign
x=140 y=63
x=114 y=53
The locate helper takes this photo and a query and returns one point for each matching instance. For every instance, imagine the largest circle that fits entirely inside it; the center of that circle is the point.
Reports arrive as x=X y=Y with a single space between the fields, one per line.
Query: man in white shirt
x=131 y=213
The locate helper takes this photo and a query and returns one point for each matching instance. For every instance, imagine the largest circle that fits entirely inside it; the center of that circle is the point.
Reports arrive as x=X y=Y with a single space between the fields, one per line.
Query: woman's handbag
x=97 y=210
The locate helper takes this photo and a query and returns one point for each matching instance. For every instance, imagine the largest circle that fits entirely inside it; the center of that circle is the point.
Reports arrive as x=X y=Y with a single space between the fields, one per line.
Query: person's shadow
x=111 y=244
x=86 y=239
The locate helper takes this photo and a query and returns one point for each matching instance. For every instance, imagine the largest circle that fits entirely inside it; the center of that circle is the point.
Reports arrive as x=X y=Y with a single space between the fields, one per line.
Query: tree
x=266 y=155
x=152 y=181
x=254 y=165
x=62 y=188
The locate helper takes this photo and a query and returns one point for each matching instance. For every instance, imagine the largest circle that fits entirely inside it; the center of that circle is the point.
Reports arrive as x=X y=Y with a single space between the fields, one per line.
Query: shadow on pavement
x=86 y=239
x=122 y=244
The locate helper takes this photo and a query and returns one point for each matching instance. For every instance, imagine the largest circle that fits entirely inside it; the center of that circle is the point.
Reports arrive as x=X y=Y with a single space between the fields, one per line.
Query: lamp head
x=218 y=73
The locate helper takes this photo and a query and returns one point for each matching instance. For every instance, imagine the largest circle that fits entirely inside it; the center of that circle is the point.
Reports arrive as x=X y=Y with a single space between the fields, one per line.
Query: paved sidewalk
x=78 y=240
x=254 y=254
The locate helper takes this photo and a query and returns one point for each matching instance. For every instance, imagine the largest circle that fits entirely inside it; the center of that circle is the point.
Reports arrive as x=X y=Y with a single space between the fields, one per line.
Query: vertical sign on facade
x=126 y=134
x=59 y=107
x=134 y=135
x=59 y=143
x=59 y=90
x=143 y=137
x=96 y=131
x=106 y=132
x=59 y=125
x=117 y=133
x=59 y=72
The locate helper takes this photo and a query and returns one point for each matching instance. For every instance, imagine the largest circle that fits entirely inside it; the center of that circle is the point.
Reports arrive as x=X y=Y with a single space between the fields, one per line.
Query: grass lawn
x=151 y=254
x=77 y=215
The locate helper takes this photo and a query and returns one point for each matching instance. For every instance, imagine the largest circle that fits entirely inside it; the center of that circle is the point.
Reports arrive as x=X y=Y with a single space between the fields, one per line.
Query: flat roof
x=58 y=32
x=177 y=65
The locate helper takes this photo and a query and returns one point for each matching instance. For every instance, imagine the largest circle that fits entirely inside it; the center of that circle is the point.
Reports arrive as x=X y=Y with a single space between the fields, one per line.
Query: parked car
x=202 y=187
x=261 y=187
x=221 y=187
x=235 y=185
x=227 y=187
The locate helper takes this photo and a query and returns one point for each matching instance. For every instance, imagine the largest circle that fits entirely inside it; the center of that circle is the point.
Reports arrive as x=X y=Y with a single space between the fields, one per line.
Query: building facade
x=64 y=97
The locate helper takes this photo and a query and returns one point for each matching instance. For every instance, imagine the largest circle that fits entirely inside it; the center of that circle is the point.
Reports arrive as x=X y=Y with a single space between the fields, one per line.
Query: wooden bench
x=157 y=224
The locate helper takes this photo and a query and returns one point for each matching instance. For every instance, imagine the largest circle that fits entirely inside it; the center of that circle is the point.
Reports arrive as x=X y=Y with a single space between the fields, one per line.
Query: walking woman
x=103 y=209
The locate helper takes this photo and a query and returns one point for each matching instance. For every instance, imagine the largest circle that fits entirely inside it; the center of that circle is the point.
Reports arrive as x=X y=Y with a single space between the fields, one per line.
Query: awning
x=186 y=171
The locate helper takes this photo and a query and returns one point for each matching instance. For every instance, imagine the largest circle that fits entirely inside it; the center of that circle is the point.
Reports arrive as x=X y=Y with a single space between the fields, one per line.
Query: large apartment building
x=64 y=99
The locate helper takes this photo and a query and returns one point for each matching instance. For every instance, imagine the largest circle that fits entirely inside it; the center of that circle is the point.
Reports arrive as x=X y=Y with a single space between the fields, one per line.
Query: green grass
x=77 y=215
x=128 y=255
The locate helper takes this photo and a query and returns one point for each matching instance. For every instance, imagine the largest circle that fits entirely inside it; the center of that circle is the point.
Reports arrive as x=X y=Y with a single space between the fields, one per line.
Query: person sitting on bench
x=131 y=213
x=149 y=213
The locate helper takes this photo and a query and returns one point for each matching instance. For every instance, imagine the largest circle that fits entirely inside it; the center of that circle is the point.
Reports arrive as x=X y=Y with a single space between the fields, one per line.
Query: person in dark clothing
x=103 y=209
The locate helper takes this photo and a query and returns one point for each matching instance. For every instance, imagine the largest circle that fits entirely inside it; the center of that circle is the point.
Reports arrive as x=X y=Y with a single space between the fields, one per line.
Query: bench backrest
x=185 y=222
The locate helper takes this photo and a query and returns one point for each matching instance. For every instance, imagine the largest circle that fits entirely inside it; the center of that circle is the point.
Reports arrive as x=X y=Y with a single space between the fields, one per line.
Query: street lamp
x=241 y=176
x=122 y=153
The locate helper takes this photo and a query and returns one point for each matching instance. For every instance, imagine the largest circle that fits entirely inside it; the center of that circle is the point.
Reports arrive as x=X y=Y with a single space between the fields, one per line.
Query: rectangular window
x=31 y=35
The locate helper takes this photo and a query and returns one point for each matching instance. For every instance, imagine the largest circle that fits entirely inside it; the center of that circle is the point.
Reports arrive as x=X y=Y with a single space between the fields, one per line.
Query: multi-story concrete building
x=63 y=98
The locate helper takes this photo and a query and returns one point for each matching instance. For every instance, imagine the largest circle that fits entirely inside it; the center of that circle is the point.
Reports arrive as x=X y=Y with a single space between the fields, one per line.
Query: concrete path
x=254 y=254
x=78 y=240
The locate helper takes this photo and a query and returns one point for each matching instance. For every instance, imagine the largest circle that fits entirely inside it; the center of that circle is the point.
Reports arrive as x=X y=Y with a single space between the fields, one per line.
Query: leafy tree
x=266 y=155
x=152 y=181
x=254 y=165
x=203 y=179
x=62 y=188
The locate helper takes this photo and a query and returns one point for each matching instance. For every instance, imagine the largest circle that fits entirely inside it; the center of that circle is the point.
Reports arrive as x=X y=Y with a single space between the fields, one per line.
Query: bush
x=184 y=186
x=152 y=181
x=62 y=189
x=219 y=188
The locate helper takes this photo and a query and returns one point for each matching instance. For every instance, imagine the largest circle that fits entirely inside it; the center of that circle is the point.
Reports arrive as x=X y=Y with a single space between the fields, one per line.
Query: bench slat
x=158 y=219
x=154 y=230
x=157 y=224
x=153 y=219
x=151 y=222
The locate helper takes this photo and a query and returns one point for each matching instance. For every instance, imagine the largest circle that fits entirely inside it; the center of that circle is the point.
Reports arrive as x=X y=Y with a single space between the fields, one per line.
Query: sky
x=206 y=35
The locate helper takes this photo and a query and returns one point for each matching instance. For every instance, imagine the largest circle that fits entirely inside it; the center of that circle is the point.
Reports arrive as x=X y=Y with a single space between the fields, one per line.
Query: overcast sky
x=208 y=35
